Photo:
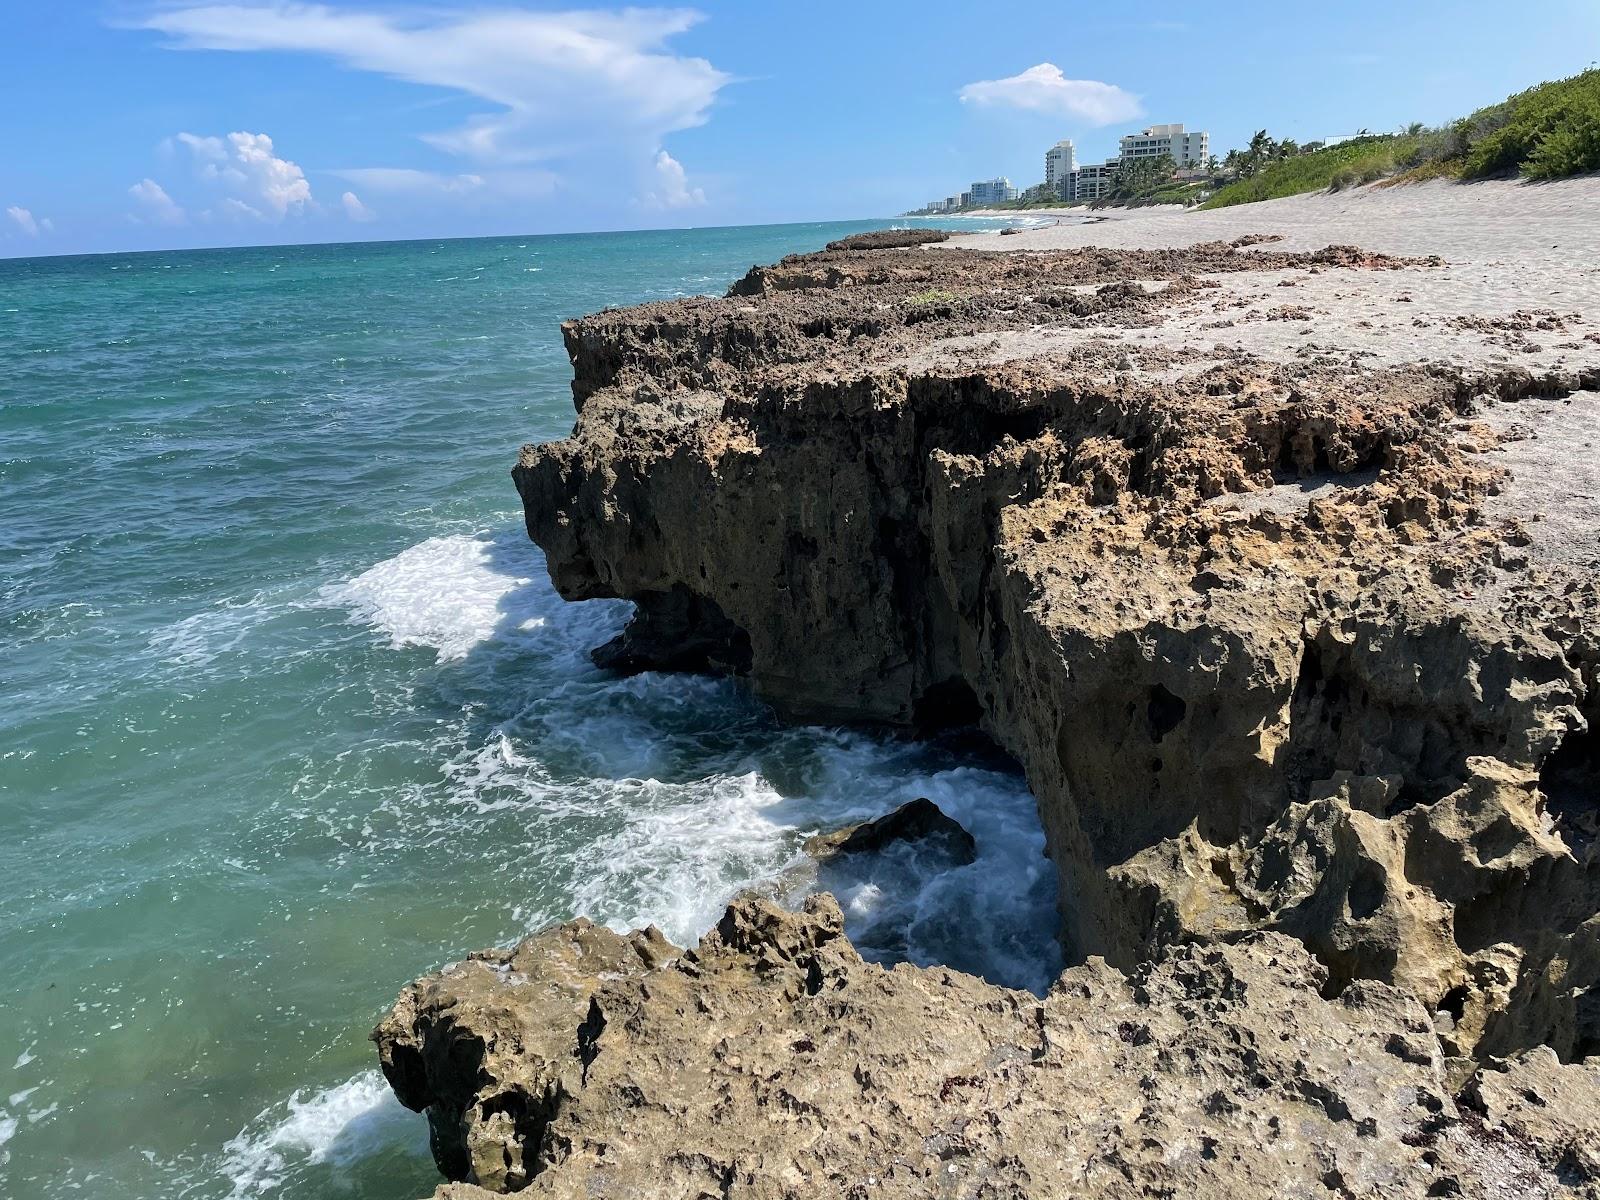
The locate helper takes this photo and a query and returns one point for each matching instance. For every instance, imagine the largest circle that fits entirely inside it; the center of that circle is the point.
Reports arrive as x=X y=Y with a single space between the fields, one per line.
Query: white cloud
x=559 y=83
x=401 y=180
x=672 y=185
x=354 y=209
x=156 y=204
x=28 y=223
x=1045 y=89
x=261 y=185
x=238 y=210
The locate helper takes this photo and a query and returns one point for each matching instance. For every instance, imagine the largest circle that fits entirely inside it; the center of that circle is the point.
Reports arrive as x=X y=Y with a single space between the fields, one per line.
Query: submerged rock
x=920 y=822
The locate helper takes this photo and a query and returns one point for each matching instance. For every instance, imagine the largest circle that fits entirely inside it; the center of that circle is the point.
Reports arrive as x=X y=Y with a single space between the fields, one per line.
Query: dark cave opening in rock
x=950 y=704
x=1165 y=712
x=1570 y=781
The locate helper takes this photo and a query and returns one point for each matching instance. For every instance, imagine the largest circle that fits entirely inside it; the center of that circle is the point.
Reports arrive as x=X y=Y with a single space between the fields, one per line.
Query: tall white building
x=1186 y=149
x=992 y=191
x=1060 y=161
x=1092 y=181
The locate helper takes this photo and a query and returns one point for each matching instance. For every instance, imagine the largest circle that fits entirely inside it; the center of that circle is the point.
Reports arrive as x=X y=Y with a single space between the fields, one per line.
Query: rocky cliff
x=1306 y=707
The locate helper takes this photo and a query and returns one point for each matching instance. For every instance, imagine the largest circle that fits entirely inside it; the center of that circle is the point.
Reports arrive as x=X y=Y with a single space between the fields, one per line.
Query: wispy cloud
x=1045 y=89
x=558 y=84
x=28 y=223
x=408 y=181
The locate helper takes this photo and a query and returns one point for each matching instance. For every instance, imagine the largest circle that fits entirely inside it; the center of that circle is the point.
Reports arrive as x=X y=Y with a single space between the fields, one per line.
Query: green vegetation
x=1547 y=132
x=933 y=296
x=1360 y=160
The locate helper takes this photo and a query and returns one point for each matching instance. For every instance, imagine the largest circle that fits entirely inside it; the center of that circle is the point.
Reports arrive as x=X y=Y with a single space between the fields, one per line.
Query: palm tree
x=1260 y=149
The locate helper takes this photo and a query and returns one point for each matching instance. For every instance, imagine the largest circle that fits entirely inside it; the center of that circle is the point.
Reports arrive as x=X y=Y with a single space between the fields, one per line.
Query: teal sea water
x=292 y=715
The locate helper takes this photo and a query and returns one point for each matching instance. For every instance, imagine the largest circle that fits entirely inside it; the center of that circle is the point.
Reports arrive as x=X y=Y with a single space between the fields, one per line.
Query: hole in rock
x=950 y=704
x=1165 y=711
x=1570 y=781
x=1454 y=1002
x=1340 y=719
x=1367 y=891
x=676 y=630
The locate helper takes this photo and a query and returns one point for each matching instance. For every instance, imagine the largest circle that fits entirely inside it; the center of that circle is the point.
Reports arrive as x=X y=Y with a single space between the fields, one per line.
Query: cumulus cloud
x=672 y=188
x=1045 y=89
x=354 y=209
x=155 y=205
x=260 y=185
x=558 y=84
x=28 y=223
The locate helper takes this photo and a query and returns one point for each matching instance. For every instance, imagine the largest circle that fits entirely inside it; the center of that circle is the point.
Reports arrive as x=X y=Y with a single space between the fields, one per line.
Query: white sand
x=1507 y=246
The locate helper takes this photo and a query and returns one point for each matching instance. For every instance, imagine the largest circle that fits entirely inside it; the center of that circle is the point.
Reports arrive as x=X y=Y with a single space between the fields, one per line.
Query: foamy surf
x=445 y=593
x=333 y=1128
x=453 y=593
x=638 y=837
x=651 y=800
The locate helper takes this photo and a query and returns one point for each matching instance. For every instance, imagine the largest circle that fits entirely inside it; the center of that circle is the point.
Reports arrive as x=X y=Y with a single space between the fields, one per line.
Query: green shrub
x=1547 y=132
x=1359 y=160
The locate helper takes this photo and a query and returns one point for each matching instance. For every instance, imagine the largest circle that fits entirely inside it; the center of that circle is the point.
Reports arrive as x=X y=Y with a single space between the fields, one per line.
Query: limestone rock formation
x=771 y=1061
x=1309 y=714
x=1244 y=623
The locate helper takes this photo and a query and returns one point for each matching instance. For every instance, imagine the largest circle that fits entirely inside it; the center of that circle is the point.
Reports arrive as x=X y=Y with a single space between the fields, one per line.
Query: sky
x=129 y=125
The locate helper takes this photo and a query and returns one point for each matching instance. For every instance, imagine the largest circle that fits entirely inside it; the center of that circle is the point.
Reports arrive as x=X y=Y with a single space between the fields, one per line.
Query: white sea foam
x=654 y=800
x=673 y=853
x=337 y=1127
x=445 y=593
x=684 y=850
x=199 y=639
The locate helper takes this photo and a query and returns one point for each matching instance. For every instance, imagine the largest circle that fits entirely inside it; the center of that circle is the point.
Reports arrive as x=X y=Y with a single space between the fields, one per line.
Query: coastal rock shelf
x=772 y=1061
x=1307 y=704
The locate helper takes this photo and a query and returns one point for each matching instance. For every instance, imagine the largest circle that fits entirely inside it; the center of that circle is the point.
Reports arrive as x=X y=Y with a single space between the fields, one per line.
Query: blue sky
x=133 y=125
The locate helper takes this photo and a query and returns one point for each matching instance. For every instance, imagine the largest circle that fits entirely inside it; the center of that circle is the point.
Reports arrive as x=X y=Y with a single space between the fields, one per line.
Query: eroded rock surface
x=771 y=1061
x=1301 y=698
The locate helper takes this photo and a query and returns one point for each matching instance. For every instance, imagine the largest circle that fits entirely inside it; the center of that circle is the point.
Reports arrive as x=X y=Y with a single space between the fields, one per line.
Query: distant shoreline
x=1081 y=212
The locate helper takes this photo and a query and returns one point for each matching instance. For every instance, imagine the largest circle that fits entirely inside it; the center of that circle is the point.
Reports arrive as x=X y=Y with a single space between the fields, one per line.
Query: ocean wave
x=455 y=592
x=334 y=1128
x=201 y=638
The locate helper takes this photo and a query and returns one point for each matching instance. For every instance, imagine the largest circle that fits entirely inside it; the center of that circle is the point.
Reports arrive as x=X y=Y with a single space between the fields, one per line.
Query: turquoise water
x=292 y=714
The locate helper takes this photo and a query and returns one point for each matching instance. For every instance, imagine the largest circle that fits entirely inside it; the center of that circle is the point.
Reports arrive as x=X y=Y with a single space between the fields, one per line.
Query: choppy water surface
x=292 y=715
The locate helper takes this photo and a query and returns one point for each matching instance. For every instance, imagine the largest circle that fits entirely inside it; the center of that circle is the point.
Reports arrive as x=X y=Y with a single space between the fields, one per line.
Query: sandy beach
x=1518 y=277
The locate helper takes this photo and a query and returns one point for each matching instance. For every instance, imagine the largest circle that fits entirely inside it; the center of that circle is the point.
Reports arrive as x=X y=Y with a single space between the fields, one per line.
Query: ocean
x=292 y=714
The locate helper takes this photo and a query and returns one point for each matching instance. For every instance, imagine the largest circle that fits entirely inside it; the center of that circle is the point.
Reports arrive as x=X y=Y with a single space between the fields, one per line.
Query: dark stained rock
x=890 y=239
x=921 y=821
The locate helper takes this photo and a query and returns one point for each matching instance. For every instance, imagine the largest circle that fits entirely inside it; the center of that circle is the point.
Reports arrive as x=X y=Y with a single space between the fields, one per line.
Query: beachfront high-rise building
x=1092 y=181
x=1186 y=149
x=992 y=191
x=1060 y=161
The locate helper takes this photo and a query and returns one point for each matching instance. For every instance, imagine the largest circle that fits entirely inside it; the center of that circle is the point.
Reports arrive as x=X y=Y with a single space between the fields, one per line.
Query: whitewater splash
x=655 y=800
x=336 y=1127
x=447 y=593
x=656 y=842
